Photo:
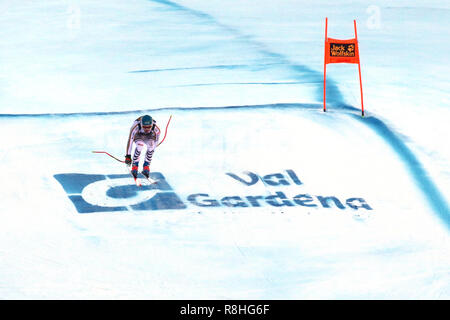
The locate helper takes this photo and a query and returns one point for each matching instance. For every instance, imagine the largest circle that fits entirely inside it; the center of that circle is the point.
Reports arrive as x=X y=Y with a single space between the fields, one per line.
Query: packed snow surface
x=260 y=194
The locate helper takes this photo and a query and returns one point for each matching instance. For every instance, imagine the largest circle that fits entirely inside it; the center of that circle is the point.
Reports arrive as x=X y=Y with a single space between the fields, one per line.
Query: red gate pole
x=325 y=68
x=359 y=70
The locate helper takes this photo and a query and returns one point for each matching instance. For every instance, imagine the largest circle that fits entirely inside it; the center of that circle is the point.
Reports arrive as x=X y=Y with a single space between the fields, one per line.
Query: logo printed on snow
x=99 y=193
x=279 y=199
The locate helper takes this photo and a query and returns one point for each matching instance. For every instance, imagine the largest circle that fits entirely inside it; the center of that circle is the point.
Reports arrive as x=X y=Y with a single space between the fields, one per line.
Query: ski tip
x=137 y=182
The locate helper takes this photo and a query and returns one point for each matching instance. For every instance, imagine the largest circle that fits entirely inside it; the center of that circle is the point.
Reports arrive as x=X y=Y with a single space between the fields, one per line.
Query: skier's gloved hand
x=128 y=159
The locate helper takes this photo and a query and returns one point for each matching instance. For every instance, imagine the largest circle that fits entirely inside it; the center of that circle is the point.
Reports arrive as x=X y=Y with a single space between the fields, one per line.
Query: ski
x=137 y=181
x=150 y=180
x=140 y=181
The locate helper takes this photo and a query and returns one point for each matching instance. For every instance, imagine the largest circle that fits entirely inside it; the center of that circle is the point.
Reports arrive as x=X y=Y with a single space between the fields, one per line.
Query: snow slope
x=261 y=195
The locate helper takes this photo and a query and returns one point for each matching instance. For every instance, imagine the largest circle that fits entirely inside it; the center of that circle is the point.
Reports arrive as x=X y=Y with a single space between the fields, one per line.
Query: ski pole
x=108 y=155
x=167 y=125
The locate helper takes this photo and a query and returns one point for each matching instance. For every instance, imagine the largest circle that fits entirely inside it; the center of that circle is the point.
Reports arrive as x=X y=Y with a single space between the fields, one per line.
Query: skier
x=144 y=132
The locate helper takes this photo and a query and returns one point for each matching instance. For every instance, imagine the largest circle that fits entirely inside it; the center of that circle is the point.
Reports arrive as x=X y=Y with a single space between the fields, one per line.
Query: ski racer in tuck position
x=144 y=132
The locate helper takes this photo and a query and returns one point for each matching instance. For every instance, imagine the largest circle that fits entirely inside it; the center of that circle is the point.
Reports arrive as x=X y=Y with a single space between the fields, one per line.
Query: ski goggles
x=147 y=128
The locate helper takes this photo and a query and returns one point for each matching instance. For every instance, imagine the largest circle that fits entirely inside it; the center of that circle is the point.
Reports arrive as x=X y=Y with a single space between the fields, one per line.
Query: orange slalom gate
x=341 y=51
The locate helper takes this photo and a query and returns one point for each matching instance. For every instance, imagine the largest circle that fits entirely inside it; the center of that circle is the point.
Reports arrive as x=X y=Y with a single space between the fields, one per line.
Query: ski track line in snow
x=434 y=197
x=301 y=72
